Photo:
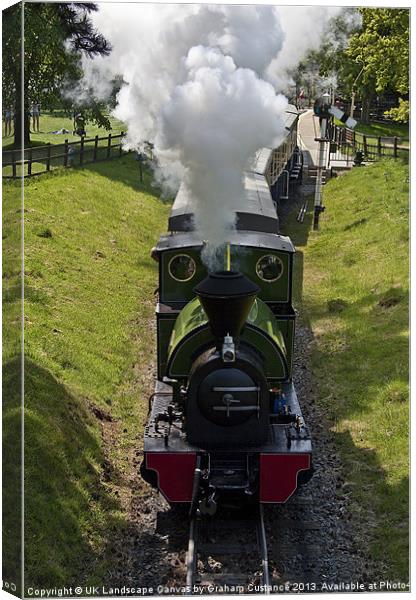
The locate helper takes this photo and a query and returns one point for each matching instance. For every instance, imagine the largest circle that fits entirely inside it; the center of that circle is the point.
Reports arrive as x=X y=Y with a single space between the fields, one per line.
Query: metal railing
x=345 y=143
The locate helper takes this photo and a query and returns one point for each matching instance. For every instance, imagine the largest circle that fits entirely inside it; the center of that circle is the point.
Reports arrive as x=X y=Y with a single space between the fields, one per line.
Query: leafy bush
x=400 y=113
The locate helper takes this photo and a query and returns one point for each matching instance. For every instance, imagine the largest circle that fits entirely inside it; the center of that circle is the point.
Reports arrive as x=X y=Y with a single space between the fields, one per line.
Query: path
x=309 y=130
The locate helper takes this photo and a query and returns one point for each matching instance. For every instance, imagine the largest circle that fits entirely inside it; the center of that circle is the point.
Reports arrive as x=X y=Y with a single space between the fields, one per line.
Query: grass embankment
x=89 y=305
x=56 y=121
x=355 y=298
x=11 y=367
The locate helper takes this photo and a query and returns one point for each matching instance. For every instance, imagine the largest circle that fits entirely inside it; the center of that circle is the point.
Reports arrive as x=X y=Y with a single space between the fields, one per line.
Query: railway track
x=258 y=550
x=219 y=545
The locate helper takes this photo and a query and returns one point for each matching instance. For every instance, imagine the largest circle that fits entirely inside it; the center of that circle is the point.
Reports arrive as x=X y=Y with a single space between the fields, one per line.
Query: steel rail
x=262 y=541
x=195 y=546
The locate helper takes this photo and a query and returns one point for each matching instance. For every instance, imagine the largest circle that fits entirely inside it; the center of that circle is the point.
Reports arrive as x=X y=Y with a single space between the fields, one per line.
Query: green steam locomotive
x=224 y=417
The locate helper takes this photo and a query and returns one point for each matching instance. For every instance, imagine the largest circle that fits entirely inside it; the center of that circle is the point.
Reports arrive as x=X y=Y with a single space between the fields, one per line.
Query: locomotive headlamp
x=228 y=349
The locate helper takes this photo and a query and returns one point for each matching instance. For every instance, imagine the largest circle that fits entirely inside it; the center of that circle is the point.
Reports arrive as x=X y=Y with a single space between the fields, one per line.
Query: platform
x=308 y=131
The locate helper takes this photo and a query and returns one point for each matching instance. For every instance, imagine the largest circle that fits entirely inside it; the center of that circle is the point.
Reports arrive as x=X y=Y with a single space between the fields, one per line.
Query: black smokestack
x=226 y=297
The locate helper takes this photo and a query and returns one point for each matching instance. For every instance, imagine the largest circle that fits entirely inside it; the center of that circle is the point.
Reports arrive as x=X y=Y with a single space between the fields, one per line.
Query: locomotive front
x=226 y=398
x=225 y=409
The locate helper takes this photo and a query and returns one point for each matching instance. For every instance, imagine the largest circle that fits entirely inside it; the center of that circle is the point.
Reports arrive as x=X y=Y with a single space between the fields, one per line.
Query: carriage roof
x=257 y=211
x=253 y=239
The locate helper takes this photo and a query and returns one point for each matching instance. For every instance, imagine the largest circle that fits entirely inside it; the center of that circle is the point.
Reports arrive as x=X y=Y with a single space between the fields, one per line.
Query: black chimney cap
x=226 y=297
x=226 y=284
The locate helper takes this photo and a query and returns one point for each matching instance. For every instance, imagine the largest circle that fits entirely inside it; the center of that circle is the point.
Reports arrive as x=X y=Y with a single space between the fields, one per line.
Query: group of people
x=9 y=117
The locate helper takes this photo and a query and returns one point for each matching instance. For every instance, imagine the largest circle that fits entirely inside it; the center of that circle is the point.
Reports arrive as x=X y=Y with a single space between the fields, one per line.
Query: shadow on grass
x=70 y=516
x=387 y=516
x=14 y=294
x=18 y=147
x=126 y=170
x=12 y=471
x=355 y=366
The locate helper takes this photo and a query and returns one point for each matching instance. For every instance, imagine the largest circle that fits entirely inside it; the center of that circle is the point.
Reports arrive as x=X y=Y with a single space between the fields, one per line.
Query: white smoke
x=304 y=28
x=215 y=121
x=197 y=83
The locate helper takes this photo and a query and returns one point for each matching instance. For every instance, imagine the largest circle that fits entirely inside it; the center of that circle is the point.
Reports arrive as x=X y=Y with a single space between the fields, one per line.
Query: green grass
x=89 y=283
x=11 y=421
x=387 y=129
x=40 y=141
x=355 y=272
x=54 y=122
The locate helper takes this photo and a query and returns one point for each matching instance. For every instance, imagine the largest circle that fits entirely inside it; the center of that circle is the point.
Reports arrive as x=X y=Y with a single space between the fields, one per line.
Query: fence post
x=81 y=152
x=48 y=157
x=109 y=145
x=121 y=139
x=29 y=162
x=13 y=164
x=94 y=155
x=395 y=147
x=379 y=145
x=365 y=144
x=66 y=153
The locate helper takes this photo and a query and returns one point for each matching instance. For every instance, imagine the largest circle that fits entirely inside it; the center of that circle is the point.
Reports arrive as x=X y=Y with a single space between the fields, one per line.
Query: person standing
x=7 y=122
x=35 y=115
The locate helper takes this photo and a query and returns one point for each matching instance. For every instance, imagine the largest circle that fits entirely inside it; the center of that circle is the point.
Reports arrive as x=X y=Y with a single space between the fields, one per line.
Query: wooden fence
x=43 y=159
x=345 y=143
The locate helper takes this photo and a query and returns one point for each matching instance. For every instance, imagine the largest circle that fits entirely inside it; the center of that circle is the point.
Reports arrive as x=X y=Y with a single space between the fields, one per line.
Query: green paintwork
x=172 y=290
x=164 y=331
x=243 y=259
x=191 y=332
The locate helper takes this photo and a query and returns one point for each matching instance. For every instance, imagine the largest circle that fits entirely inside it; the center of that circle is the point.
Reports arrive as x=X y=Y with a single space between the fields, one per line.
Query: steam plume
x=198 y=85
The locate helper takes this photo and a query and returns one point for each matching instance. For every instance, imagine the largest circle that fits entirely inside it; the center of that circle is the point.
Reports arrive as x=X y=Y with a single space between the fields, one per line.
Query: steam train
x=224 y=418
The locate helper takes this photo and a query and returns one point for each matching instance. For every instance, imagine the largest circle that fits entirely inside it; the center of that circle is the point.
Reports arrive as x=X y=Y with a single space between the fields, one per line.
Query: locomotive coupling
x=209 y=505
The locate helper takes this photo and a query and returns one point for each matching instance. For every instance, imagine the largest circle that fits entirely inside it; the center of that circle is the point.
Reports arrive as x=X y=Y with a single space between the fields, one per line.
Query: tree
x=55 y=36
x=328 y=66
x=381 y=49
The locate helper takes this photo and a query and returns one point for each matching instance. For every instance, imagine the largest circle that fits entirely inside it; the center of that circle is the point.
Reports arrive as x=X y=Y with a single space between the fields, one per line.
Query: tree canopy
x=55 y=37
x=381 y=48
x=372 y=57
